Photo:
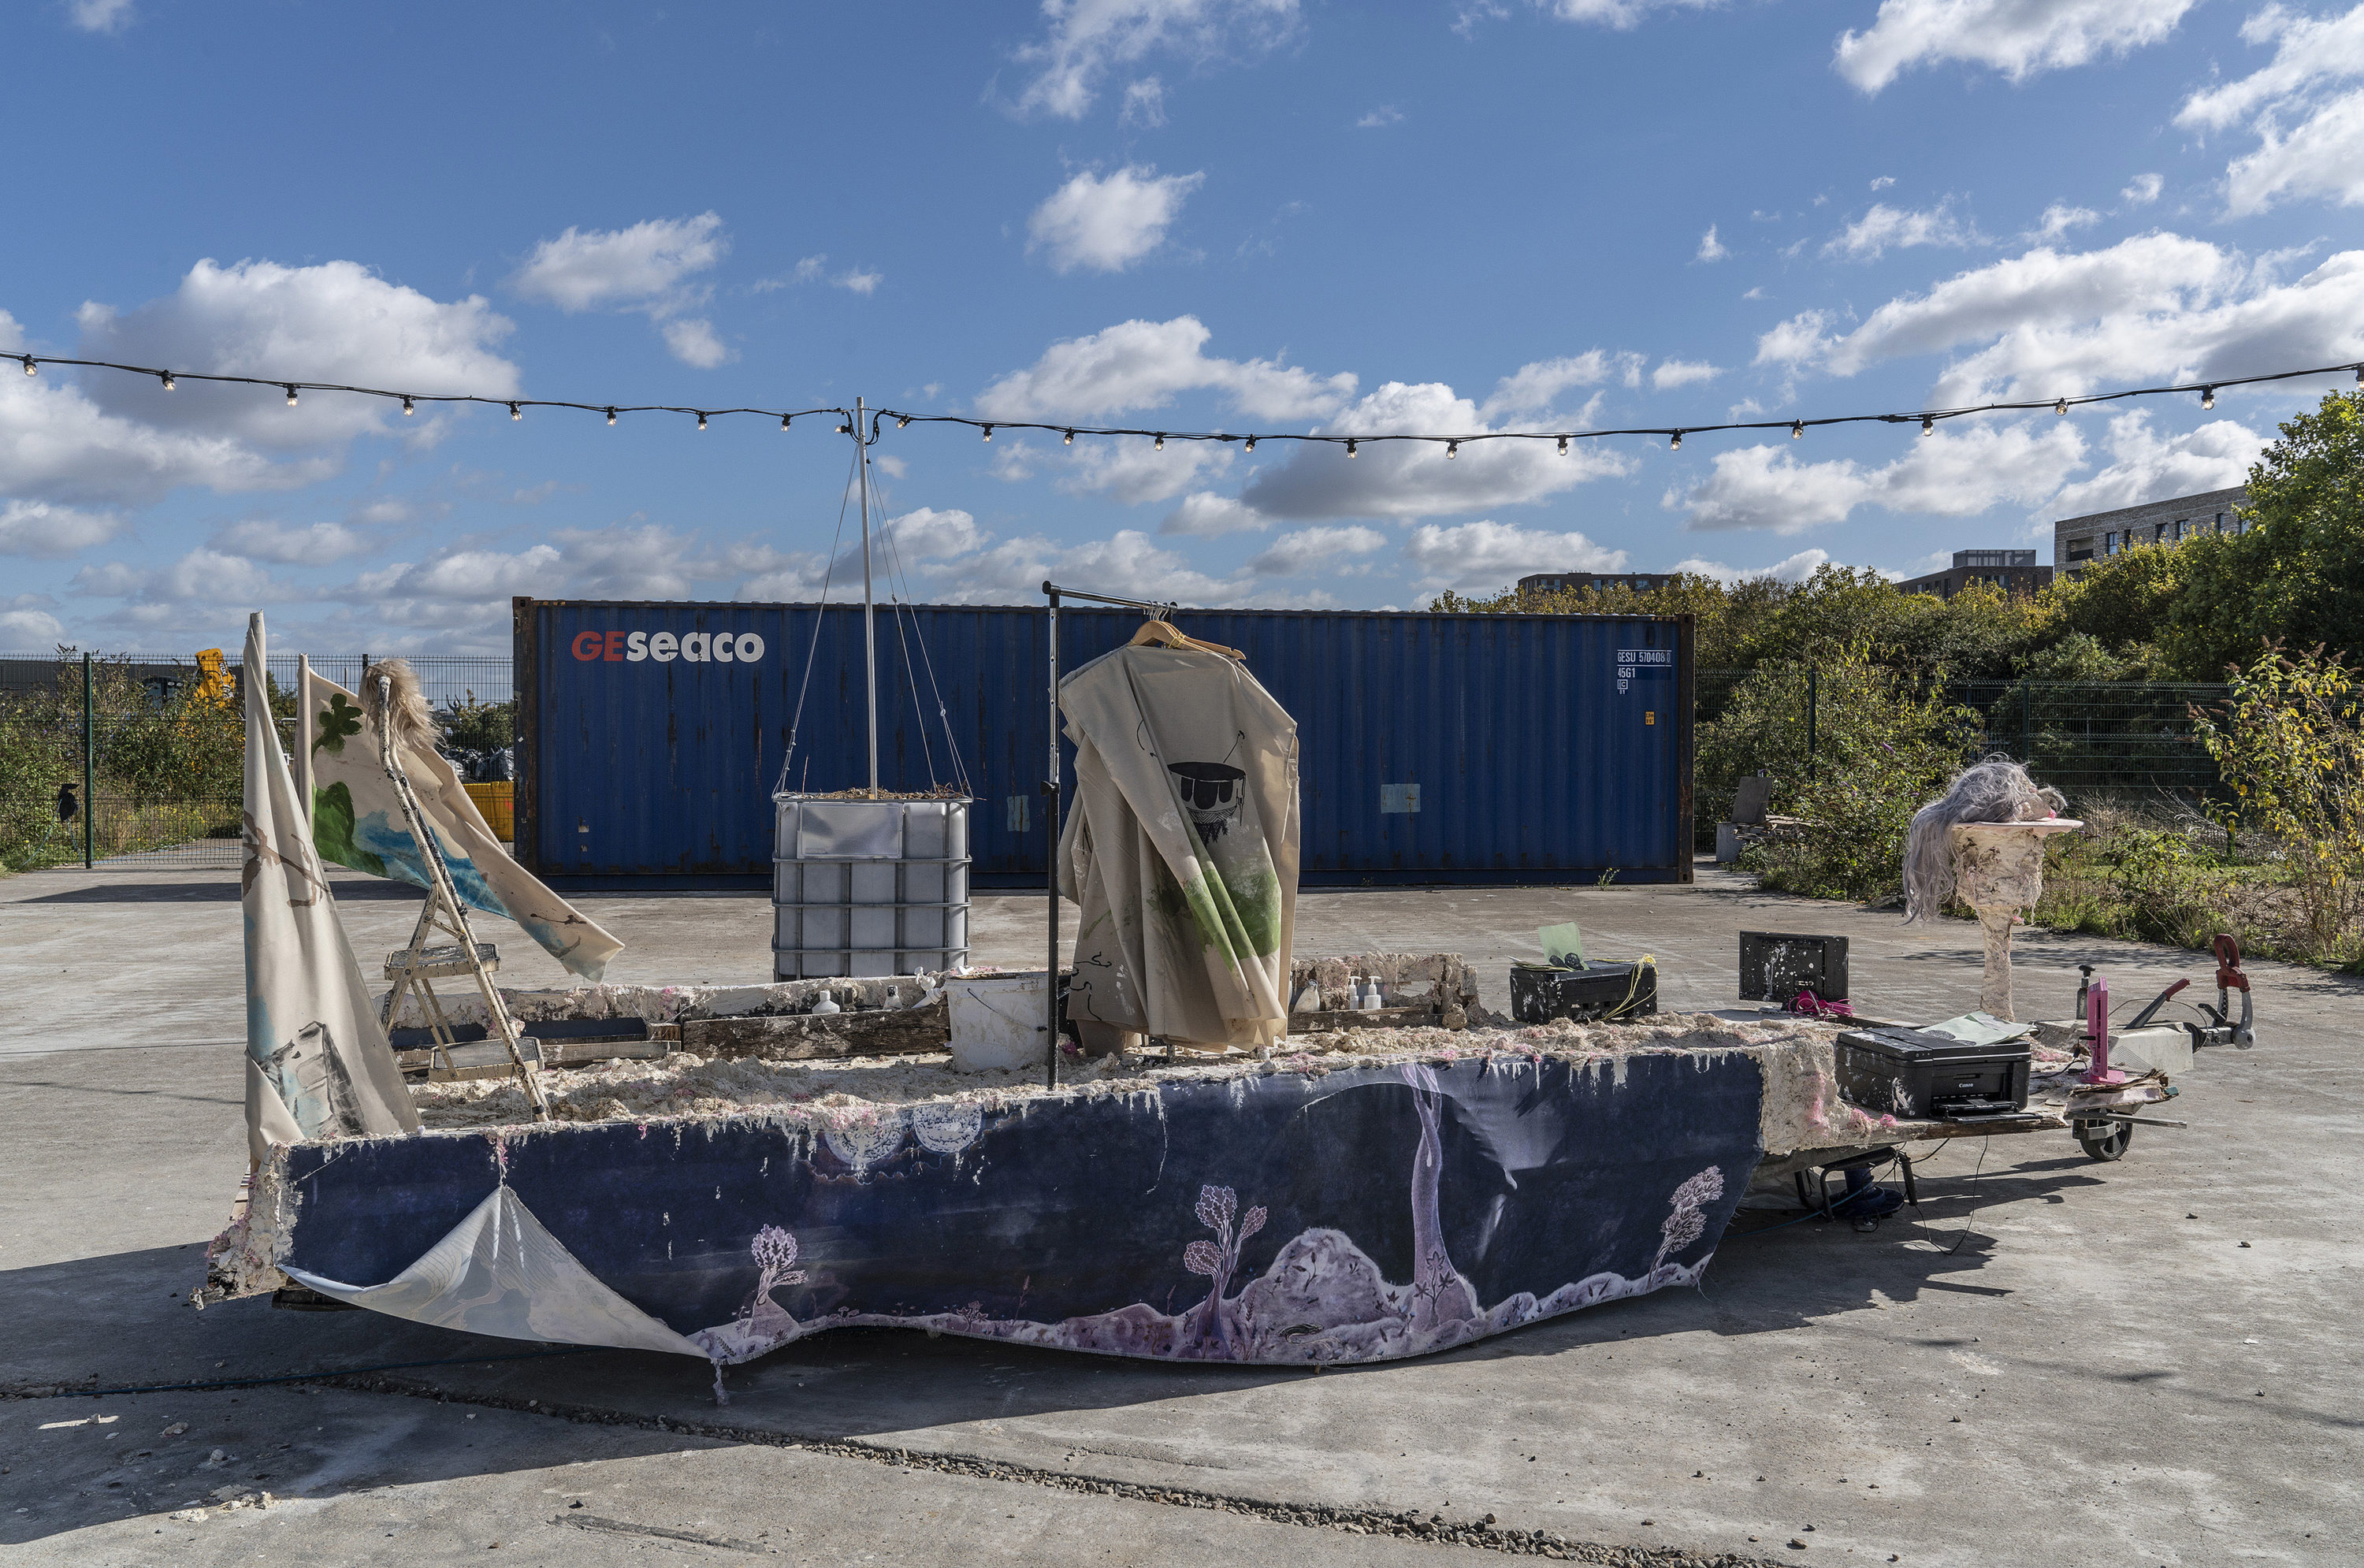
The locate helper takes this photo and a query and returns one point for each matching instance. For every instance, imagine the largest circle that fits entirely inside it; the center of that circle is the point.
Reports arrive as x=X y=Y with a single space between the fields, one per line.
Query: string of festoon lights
x=1928 y=418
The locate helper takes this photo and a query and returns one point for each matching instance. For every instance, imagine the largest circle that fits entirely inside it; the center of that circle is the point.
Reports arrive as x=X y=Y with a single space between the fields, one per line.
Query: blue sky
x=1243 y=215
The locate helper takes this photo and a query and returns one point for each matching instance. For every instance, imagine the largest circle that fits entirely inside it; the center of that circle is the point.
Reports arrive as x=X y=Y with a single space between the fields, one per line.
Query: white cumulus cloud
x=1537 y=386
x=1305 y=550
x=1885 y=228
x=1790 y=569
x=1710 y=248
x=1952 y=474
x=1415 y=479
x=1130 y=469
x=1682 y=372
x=292 y=544
x=116 y=438
x=2146 y=467
x=2018 y=37
x=1142 y=364
x=38 y=528
x=647 y=268
x=1488 y=555
x=1206 y=514
x=1084 y=41
x=2060 y=219
x=2304 y=106
x=2051 y=323
x=99 y=15
x=2142 y=190
x=1107 y=223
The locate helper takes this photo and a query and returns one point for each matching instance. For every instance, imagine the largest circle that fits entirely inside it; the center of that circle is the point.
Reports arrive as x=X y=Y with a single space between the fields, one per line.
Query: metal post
x=304 y=737
x=2026 y=721
x=869 y=631
x=1051 y=857
x=89 y=763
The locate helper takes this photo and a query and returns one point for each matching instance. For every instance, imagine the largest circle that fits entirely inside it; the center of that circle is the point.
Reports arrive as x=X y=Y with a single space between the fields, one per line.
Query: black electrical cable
x=1926 y=417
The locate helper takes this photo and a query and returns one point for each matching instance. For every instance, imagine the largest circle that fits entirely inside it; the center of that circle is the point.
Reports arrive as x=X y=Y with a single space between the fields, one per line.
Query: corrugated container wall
x=1470 y=749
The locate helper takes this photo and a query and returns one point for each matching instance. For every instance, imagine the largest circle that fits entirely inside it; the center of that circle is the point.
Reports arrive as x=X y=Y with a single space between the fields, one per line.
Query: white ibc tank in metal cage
x=866 y=887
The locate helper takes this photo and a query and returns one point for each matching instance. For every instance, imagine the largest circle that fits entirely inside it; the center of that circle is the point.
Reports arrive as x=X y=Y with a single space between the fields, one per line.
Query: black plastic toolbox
x=1540 y=994
x=1912 y=1073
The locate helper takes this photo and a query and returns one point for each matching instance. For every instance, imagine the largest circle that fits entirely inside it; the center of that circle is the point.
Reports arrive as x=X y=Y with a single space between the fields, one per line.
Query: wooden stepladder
x=443 y=914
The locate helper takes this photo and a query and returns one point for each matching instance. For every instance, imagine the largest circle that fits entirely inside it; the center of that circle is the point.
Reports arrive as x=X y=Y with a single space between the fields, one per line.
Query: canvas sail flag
x=357 y=819
x=318 y=1063
x=1183 y=849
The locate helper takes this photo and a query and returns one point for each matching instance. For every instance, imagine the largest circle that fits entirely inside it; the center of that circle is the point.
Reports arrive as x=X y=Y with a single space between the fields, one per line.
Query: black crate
x=1912 y=1073
x=1776 y=965
x=1596 y=992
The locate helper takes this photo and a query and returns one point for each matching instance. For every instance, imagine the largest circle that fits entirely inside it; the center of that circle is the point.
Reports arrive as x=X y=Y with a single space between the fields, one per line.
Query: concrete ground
x=2057 y=1361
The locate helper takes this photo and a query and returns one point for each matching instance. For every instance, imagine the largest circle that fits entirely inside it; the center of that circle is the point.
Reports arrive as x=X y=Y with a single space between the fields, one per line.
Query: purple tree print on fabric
x=1684 y=1223
x=775 y=1256
x=1218 y=1258
x=1439 y=1293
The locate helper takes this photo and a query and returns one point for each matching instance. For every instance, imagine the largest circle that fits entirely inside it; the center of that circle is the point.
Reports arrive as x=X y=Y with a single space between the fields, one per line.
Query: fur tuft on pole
x=405 y=716
x=1994 y=790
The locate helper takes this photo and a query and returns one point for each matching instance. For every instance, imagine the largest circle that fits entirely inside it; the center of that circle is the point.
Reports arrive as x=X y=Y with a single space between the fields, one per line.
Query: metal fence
x=2078 y=735
x=139 y=774
x=126 y=763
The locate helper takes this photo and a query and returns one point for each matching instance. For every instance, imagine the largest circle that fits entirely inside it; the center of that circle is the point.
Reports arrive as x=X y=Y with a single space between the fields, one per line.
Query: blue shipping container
x=1435 y=749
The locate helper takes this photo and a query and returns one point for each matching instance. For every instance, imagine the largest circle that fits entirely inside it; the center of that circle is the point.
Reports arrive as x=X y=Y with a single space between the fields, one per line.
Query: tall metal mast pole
x=869 y=626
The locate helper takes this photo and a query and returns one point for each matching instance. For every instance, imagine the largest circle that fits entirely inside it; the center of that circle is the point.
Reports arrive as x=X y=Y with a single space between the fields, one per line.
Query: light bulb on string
x=1452 y=449
x=1251 y=443
x=846 y=428
x=410 y=409
x=902 y=421
x=291 y=396
x=1350 y=448
x=1563 y=446
x=30 y=369
x=2360 y=375
x=701 y=421
x=167 y=379
x=611 y=413
x=1675 y=443
x=1068 y=440
x=988 y=432
x=1159 y=445
x=1928 y=425
x=1797 y=429
x=515 y=412
x=784 y=420
x=2061 y=407
x=2208 y=397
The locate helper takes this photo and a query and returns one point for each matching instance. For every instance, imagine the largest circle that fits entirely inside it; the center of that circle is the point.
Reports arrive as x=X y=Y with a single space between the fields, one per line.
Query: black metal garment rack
x=1053 y=594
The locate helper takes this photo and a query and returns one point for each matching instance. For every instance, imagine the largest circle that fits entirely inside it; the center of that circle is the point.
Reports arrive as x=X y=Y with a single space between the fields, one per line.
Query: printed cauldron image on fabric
x=1211 y=792
x=1368 y=1214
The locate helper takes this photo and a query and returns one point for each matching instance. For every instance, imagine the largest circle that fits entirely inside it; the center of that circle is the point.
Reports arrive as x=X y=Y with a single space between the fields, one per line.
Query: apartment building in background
x=1561 y=582
x=2012 y=571
x=2077 y=541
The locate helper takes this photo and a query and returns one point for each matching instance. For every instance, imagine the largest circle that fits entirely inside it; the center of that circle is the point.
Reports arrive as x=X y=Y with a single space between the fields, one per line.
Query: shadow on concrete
x=224 y=891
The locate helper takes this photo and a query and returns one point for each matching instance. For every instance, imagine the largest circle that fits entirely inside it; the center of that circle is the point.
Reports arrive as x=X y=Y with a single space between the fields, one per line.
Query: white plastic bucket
x=998 y=1021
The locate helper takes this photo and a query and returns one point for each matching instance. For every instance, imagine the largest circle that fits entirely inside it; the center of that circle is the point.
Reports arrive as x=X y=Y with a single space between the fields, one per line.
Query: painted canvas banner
x=1360 y=1214
x=318 y=1065
x=1183 y=846
x=357 y=821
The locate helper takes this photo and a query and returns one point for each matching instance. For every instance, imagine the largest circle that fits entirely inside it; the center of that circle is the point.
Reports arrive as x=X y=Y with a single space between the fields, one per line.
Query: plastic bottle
x=827 y=1004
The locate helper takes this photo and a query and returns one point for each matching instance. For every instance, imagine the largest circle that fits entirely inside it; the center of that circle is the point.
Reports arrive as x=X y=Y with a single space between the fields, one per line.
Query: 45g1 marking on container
x=1635 y=662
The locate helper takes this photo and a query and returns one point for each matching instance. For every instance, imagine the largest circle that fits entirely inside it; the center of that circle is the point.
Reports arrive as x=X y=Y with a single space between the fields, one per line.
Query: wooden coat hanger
x=1166 y=634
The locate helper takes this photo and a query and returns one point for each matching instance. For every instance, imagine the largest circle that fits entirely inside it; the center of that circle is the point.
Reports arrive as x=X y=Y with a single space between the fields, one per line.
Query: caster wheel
x=2104 y=1139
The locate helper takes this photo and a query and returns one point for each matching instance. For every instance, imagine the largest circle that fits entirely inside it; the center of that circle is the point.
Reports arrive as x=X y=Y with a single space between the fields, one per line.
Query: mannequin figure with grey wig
x=1982 y=840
